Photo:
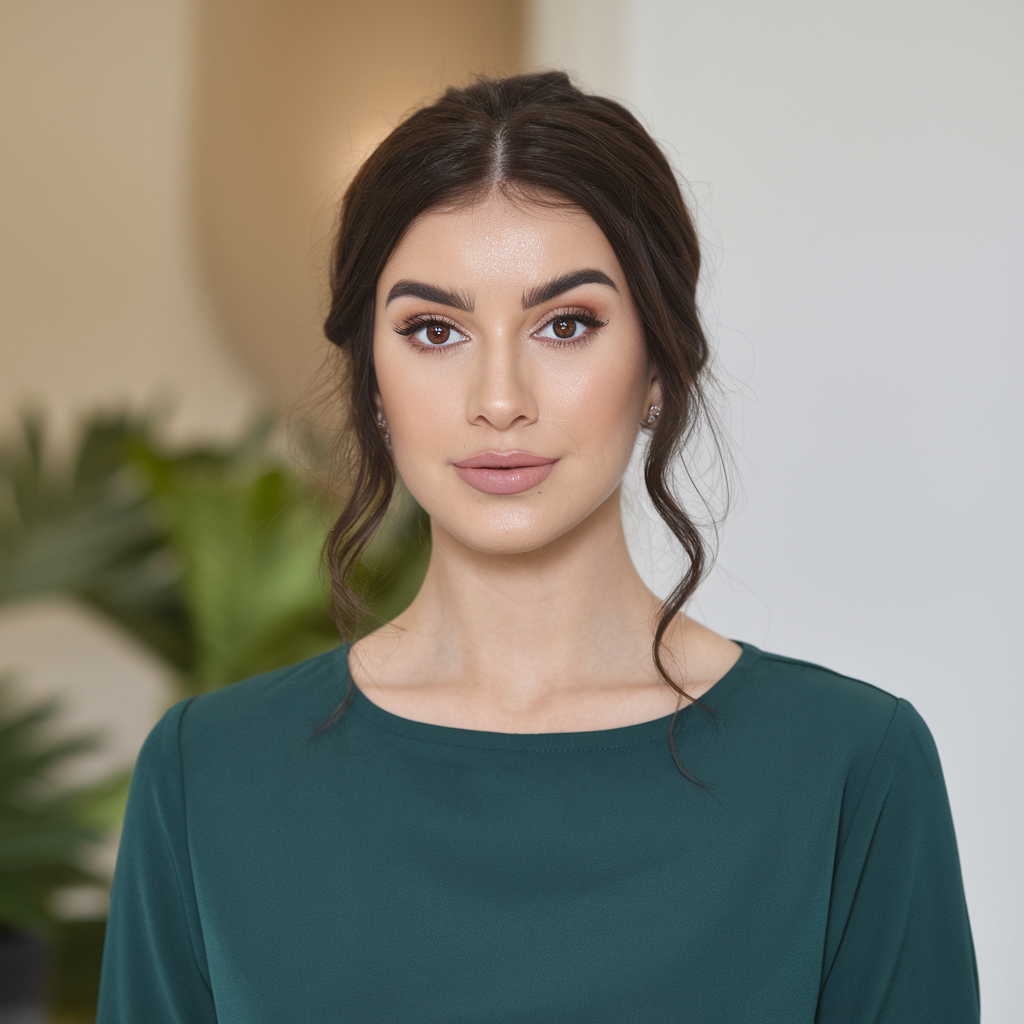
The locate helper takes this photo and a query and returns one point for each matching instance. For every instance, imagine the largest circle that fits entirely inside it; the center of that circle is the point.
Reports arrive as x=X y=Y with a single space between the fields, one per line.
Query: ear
x=653 y=392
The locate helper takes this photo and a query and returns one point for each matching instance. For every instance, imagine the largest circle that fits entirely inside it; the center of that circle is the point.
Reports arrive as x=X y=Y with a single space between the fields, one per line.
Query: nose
x=501 y=395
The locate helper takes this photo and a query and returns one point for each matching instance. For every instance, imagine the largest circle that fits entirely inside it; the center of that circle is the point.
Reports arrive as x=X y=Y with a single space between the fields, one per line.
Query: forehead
x=501 y=241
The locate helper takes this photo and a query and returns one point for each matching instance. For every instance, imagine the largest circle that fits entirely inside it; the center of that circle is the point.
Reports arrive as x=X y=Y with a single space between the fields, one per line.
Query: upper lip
x=503 y=460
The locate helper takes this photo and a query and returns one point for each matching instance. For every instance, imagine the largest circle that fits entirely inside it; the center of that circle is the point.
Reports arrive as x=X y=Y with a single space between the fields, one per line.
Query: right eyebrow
x=430 y=293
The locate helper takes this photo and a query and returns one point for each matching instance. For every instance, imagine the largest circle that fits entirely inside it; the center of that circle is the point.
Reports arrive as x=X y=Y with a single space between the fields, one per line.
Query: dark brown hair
x=534 y=136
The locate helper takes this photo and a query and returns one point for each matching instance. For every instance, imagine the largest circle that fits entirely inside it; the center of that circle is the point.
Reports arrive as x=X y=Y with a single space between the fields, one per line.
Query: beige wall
x=100 y=300
x=292 y=94
x=168 y=174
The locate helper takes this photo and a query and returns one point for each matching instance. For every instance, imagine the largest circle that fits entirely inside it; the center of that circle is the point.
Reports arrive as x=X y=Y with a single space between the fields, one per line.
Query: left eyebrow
x=555 y=287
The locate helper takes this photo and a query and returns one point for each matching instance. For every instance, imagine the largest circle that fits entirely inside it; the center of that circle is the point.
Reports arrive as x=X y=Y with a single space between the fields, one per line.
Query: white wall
x=858 y=171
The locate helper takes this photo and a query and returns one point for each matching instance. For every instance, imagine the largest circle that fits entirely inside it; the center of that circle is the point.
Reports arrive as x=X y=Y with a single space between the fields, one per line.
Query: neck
x=531 y=621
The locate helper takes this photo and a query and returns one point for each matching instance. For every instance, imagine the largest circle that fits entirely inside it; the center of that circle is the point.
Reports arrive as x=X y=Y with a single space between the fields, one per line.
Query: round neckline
x=589 y=739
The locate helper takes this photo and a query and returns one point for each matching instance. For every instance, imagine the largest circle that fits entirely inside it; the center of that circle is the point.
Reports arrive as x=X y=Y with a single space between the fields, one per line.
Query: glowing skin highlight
x=513 y=375
x=492 y=370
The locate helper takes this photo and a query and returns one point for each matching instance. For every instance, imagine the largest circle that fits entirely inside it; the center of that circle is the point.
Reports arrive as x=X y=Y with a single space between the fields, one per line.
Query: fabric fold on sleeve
x=898 y=944
x=154 y=961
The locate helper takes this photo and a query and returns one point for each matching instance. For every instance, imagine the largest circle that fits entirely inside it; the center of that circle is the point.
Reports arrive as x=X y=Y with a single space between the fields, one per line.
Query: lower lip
x=505 y=481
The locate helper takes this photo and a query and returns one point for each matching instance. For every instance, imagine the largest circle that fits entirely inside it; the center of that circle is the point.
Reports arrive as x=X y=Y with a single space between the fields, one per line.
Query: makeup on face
x=438 y=332
x=504 y=472
x=512 y=370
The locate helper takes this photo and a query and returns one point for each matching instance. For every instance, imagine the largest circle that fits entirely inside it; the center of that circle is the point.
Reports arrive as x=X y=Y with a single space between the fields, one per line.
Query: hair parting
x=536 y=138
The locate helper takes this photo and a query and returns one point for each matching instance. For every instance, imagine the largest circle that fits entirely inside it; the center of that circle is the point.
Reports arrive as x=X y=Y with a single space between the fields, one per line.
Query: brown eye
x=575 y=326
x=438 y=334
x=432 y=334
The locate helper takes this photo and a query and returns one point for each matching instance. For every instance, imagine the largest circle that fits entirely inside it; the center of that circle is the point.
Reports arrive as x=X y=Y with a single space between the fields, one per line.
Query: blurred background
x=169 y=174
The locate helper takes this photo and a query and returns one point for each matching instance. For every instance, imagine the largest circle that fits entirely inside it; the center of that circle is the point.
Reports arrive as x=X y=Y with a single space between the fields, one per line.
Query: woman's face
x=512 y=370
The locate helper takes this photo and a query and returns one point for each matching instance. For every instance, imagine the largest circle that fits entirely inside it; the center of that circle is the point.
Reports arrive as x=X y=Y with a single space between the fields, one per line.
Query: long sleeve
x=898 y=948
x=154 y=962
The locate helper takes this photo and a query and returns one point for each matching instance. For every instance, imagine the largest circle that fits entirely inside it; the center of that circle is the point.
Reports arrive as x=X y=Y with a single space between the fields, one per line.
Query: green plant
x=246 y=537
x=87 y=528
x=247 y=532
x=210 y=555
x=45 y=828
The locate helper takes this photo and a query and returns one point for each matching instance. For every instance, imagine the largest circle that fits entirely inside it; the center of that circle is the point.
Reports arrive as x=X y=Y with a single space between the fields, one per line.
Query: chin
x=509 y=530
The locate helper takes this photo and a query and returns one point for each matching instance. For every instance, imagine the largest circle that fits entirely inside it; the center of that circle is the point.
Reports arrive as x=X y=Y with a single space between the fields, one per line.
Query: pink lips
x=504 y=472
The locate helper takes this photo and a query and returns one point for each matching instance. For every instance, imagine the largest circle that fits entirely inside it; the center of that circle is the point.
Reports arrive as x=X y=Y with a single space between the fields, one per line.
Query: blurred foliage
x=208 y=555
x=211 y=556
x=45 y=828
x=246 y=538
x=89 y=530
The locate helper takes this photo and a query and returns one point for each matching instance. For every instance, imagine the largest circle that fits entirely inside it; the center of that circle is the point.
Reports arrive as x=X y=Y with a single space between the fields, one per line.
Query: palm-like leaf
x=90 y=531
x=248 y=539
x=44 y=829
x=211 y=555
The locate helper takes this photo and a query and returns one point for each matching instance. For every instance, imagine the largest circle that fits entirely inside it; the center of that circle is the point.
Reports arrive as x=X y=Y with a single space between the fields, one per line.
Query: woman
x=540 y=794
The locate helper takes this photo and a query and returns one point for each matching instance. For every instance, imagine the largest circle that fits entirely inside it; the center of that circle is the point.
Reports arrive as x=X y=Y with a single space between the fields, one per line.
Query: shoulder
x=298 y=695
x=818 y=688
x=802 y=703
x=282 y=708
x=814 y=732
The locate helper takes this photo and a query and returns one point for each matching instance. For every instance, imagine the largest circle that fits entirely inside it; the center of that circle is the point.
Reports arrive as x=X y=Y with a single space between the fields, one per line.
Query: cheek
x=422 y=401
x=588 y=405
x=598 y=403
x=426 y=416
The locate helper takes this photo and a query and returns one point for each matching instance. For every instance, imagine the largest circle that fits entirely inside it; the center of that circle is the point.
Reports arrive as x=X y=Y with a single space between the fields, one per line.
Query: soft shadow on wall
x=290 y=96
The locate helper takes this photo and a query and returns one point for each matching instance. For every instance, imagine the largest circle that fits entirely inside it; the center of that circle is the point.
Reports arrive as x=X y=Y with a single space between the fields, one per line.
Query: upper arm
x=154 y=961
x=899 y=944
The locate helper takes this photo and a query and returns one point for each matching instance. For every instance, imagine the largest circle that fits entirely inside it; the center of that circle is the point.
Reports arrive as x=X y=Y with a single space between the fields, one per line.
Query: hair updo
x=540 y=138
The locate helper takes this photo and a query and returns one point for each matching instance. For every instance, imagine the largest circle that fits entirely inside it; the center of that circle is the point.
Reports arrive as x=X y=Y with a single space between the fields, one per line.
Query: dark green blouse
x=385 y=870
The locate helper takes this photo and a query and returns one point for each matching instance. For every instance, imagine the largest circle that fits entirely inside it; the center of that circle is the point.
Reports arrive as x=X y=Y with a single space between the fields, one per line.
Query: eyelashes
x=574 y=315
x=440 y=327
x=569 y=328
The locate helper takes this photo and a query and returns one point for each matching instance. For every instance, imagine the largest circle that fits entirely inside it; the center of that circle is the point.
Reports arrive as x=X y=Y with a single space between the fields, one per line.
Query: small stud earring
x=383 y=425
x=652 y=415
